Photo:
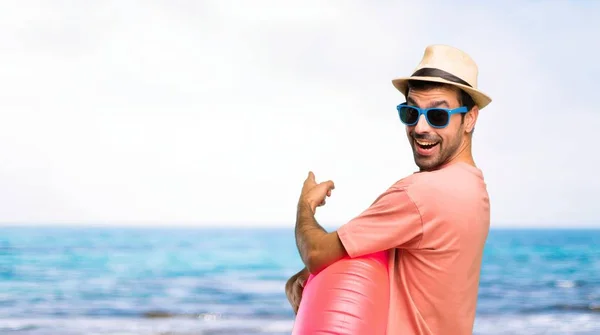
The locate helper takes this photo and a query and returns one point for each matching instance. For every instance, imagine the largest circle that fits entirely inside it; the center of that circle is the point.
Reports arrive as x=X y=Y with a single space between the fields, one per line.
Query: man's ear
x=471 y=119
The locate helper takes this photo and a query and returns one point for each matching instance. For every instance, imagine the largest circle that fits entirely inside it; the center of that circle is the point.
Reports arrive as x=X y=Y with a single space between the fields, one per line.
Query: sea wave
x=547 y=324
x=140 y=281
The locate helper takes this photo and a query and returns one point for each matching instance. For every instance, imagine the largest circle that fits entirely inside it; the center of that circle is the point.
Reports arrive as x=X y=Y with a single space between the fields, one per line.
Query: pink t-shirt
x=435 y=225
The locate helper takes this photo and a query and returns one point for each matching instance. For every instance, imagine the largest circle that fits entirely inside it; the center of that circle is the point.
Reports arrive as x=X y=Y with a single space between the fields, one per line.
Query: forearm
x=308 y=232
x=317 y=248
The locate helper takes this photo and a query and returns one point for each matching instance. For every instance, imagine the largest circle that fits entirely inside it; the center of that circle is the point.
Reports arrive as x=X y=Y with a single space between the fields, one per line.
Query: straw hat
x=456 y=66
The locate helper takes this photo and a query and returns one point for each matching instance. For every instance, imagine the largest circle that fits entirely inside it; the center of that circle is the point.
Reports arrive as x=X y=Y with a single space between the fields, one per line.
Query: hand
x=314 y=194
x=294 y=288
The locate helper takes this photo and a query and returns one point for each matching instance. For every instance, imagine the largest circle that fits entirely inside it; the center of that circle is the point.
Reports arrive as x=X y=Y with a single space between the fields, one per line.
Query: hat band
x=433 y=72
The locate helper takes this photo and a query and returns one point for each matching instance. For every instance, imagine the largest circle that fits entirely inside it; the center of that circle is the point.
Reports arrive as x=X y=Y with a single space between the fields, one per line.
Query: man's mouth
x=426 y=145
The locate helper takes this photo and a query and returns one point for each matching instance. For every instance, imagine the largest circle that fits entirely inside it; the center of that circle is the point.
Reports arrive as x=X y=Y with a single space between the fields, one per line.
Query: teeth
x=424 y=142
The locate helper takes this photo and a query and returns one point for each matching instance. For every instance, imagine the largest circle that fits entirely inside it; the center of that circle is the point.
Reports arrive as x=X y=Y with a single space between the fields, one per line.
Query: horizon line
x=250 y=225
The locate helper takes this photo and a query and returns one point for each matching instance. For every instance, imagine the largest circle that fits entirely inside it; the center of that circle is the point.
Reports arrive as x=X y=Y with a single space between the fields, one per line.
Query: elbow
x=315 y=262
x=323 y=254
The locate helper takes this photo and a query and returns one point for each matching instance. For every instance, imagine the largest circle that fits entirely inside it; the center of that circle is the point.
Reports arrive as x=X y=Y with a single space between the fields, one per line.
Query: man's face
x=433 y=147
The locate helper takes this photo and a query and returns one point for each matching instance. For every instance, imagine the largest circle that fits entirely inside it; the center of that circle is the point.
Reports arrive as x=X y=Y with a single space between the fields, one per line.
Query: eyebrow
x=437 y=103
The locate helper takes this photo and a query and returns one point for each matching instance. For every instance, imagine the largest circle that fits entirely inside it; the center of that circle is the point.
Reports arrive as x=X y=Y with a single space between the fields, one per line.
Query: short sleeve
x=392 y=221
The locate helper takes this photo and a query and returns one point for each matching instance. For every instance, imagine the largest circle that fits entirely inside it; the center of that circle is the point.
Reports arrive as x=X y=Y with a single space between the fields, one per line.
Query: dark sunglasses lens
x=408 y=115
x=438 y=117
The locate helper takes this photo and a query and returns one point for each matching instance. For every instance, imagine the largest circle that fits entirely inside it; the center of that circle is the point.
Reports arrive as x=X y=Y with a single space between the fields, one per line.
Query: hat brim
x=481 y=99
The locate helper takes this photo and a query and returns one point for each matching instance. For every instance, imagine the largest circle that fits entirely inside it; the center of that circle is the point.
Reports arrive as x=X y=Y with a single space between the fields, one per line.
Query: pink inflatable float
x=350 y=297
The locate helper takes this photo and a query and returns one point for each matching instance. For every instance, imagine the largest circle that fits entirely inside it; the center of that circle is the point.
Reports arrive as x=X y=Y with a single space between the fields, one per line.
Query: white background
x=212 y=112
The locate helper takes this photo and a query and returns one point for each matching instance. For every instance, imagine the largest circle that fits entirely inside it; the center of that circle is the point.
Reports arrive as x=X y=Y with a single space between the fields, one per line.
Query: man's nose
x=422 y=126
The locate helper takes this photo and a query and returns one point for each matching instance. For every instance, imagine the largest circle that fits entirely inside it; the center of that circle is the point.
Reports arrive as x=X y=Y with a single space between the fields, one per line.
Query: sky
x=201 y=113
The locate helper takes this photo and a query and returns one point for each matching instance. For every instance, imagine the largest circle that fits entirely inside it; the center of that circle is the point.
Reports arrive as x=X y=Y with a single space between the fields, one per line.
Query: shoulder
x=457 y=184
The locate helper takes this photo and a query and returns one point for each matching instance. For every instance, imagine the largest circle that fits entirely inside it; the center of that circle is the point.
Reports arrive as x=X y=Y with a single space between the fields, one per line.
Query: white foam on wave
x=548 y=324
x=122 y=326
x=284 y=326
x=257 y=286
x=565 y=283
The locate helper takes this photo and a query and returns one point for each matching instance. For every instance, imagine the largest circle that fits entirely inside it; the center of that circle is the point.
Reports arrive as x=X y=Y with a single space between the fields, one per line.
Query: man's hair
x=464 y=99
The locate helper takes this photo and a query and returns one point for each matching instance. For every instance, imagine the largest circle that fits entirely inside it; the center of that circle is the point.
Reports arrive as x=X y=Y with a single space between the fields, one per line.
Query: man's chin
x=426 y=163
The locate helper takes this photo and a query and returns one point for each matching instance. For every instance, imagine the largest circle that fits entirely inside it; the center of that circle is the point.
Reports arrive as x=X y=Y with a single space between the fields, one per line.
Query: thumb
x=311 y=176
x=329 y=184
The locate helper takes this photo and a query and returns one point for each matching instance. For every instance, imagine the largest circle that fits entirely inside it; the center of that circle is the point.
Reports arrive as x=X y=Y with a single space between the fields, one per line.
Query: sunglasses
x=436 y=117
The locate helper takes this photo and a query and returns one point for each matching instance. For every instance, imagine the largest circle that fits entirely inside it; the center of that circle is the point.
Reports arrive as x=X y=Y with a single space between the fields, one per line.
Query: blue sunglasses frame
x=424 y=111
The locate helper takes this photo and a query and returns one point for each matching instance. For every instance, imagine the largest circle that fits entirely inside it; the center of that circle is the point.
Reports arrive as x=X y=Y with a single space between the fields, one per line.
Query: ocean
x=231 y=281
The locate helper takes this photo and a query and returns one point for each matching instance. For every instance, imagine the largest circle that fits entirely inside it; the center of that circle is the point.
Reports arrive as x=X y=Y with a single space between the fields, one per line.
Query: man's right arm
x=294 y=288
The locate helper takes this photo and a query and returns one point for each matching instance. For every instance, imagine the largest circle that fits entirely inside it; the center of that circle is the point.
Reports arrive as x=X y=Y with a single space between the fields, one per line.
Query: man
x=434 y=223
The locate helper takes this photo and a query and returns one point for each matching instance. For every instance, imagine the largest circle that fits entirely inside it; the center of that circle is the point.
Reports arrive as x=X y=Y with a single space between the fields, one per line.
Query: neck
x=463 y=154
